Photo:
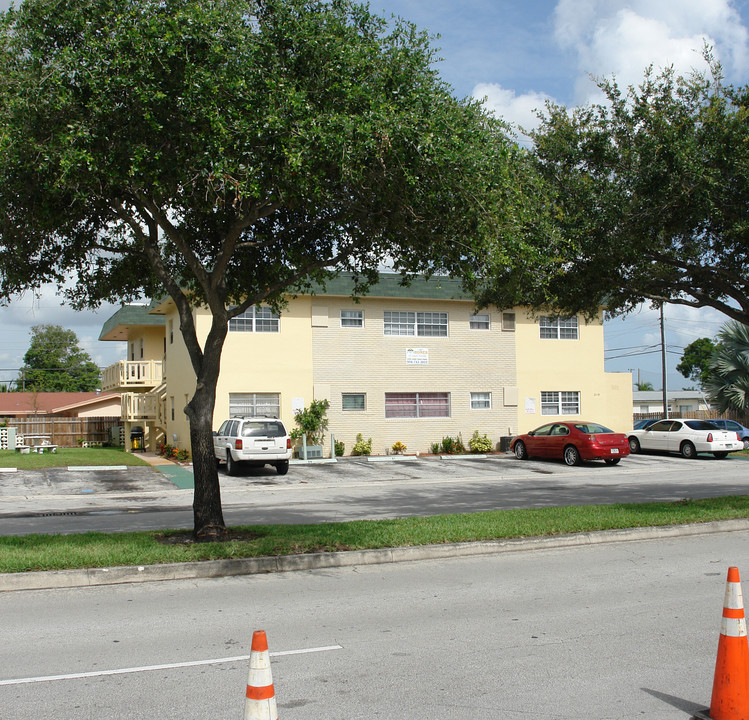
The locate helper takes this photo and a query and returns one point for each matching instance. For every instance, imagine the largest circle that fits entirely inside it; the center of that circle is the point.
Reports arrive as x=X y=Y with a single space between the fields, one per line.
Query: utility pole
x=663 y=364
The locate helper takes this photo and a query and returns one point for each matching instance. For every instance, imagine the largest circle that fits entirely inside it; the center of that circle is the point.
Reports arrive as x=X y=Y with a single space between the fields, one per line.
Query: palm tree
x=727 y=384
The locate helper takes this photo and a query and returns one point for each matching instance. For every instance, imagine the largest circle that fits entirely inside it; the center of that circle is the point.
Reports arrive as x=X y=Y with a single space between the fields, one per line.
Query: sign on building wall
x=417 y=356
x=530 y=406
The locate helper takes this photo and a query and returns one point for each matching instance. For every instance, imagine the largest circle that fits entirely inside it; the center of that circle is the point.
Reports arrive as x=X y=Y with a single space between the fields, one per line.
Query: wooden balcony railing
x=128 y=374
x=140 y=406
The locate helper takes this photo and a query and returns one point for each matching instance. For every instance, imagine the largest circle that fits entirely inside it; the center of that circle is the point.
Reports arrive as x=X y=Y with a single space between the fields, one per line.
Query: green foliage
x=643 y=197
x=644 y=386
x=695 y=362
x=399 y=448
x=727 y=382
x=479 y=443
x=361 y=446
x=452 y=446
x=434 y=448
x=340 y=448
x=174 y=453
x=55 y=363
x=312 y=422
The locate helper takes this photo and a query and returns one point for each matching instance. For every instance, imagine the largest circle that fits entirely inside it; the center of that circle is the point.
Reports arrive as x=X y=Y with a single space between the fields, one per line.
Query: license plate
x=614 y=451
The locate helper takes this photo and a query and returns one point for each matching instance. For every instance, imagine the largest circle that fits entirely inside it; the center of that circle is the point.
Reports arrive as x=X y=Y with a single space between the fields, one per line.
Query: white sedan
x=687 y=437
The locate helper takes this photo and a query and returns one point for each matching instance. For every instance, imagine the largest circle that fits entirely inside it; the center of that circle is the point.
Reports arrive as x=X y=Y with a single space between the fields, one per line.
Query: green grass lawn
x=56 y=552
x=69 y=456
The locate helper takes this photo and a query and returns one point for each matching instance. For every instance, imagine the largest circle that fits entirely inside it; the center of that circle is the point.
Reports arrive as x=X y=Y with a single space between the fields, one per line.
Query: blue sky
x=517 y=55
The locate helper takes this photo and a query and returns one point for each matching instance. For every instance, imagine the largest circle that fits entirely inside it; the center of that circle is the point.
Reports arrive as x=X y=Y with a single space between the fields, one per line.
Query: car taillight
x=238 y=444
x=709 y=437
x=288 y=443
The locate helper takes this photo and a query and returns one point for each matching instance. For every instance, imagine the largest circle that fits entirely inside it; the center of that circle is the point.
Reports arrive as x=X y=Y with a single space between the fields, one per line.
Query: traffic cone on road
x=261 y=697
x=730 y=699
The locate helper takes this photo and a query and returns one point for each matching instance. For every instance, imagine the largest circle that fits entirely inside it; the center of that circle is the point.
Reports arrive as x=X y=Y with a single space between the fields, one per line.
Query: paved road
x=61 y=501
x=594 y=633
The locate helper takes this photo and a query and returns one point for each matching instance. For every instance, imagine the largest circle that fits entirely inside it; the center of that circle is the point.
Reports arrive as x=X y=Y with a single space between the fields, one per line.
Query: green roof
x=390 y=285
x=129 y=316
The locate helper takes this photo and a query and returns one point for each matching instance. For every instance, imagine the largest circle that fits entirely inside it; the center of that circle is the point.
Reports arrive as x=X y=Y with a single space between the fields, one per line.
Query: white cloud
x=615 y=37
x=518 y=110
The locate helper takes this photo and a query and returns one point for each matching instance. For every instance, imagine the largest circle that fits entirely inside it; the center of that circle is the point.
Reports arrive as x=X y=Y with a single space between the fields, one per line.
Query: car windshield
x=592 y=428
x=700 y=425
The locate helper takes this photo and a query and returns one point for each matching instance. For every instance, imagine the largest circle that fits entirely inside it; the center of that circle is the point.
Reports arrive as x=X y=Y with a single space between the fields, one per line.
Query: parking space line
x=167 y=666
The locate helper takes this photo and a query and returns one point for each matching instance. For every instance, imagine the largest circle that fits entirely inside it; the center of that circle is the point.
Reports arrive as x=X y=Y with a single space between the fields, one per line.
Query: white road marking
x=168 y=666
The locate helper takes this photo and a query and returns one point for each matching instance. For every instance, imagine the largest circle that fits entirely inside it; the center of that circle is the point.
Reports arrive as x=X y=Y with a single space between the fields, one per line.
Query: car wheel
x=232 y=466
x=634 y=445
x=720 y=455
x=746 y=443
x=571 y=455
x=688 y=450
x=612 y=461
x=283 y=467
x=520 y=451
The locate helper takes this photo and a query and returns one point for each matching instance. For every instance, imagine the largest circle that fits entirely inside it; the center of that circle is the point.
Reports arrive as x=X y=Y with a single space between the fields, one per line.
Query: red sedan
x=573 y=442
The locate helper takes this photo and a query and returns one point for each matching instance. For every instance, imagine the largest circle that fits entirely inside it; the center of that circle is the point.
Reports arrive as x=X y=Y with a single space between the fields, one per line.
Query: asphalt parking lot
x=170 y=478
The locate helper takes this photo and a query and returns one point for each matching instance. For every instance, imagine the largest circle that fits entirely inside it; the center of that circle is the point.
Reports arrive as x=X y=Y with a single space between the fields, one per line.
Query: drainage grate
x=58 y=514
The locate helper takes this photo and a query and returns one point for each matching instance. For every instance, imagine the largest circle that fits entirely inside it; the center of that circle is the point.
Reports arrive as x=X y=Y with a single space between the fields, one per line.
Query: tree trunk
x=207 y=512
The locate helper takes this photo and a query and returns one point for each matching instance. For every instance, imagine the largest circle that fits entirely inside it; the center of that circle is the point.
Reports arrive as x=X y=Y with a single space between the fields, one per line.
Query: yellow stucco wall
x=145 y=343
x=252 y=362
x=569 y=365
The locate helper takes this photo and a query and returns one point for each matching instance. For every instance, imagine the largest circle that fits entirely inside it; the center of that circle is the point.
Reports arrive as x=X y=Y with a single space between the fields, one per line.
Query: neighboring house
x=683 y=402
x=410 y=364
x=60 y=404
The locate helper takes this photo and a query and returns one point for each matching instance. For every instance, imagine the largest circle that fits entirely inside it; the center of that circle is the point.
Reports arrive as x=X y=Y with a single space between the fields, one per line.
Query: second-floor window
x=419 y=324
x=480 y=321
x=558 y=328
x=255 y=319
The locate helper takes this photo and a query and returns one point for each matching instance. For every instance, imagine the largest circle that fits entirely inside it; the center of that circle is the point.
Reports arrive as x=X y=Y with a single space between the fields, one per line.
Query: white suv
x=254 y=441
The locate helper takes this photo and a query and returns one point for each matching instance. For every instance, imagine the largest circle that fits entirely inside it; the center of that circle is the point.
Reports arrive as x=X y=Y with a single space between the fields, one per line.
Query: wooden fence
x=70 y=431
x=697 y=414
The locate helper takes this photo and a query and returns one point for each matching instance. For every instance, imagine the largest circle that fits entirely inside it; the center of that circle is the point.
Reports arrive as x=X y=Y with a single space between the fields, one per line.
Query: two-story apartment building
x=410 y=364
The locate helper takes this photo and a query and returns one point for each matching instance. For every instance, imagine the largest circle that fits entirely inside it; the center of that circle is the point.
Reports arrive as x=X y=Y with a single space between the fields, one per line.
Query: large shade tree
x=227 y=152
x=645 y=198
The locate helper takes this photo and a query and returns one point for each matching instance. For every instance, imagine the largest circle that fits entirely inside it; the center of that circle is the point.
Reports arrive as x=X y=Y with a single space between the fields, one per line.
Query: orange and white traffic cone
x=730 y=699
x=261 y=697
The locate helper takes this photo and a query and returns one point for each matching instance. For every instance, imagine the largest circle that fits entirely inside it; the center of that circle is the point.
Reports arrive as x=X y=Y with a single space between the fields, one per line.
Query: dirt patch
x=186 y=537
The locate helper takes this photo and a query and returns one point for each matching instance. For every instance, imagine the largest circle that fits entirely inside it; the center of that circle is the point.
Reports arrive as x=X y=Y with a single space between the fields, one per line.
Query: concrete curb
x=10 y=582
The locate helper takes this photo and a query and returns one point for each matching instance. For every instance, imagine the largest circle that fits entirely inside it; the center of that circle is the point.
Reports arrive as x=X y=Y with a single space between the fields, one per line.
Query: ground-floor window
x=560 y=403
x=417 y=405
x=254 y=404
x=353 y=401
x=481 y=400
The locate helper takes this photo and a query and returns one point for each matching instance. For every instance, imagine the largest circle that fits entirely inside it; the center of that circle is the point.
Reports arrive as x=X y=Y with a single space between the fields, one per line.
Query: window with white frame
x=481 y=400
x=254 y=404
x=558 y=328
x=352 y=318
x=421 y=324
x=353 y=402
x=255 y=319
x=479 y=321
x=417 y=405
x=560 y=403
